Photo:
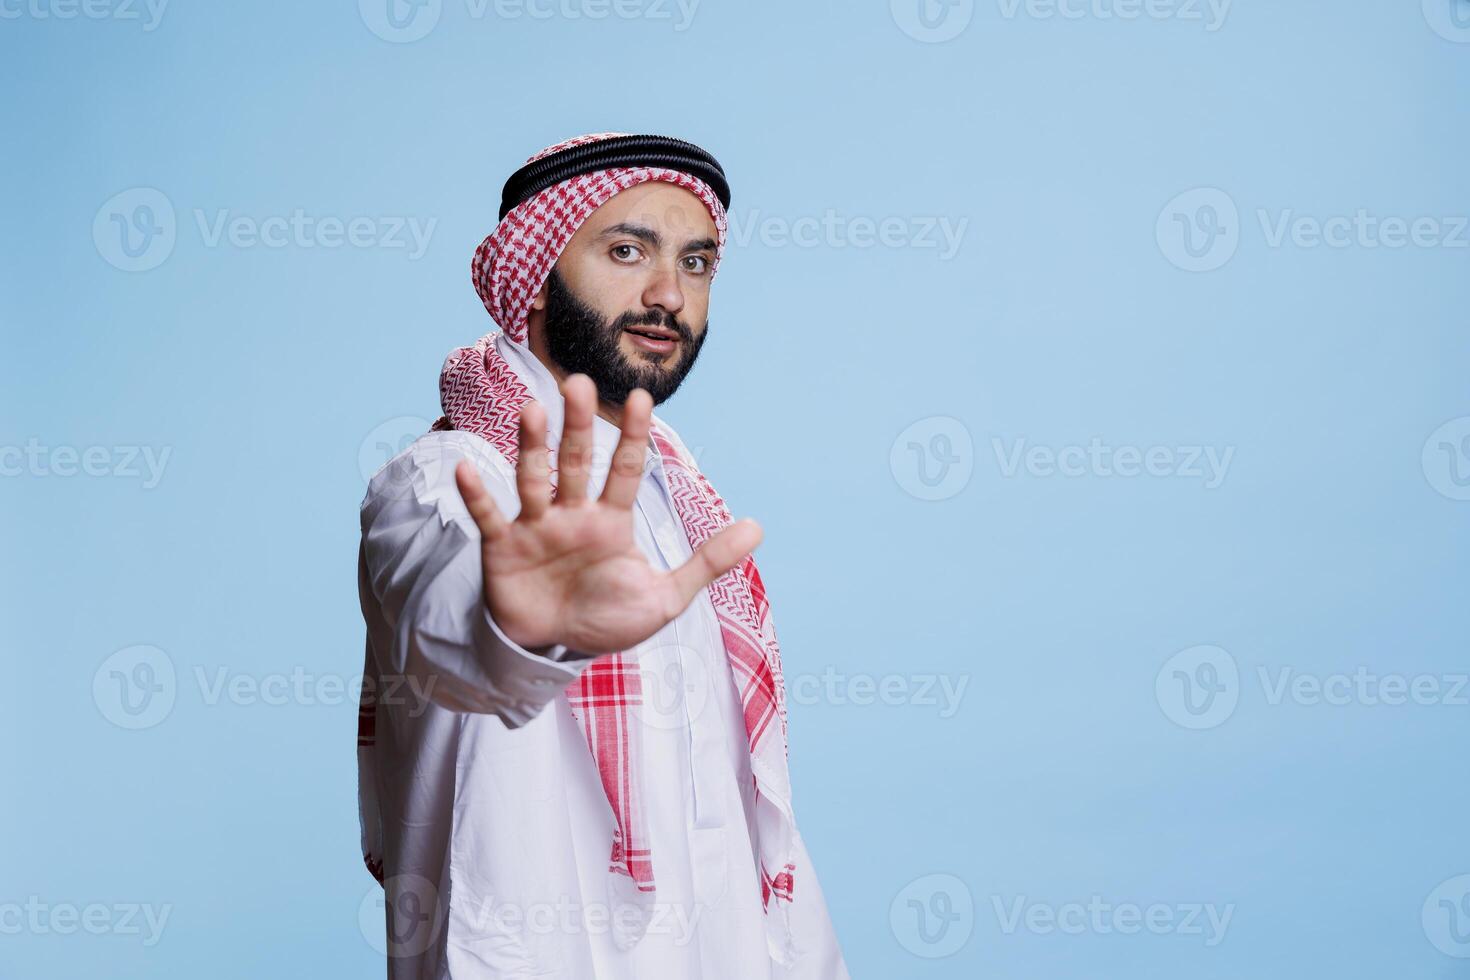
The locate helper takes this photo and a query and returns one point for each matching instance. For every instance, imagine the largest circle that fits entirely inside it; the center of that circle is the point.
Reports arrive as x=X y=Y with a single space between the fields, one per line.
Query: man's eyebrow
x=654 y=240
x=646 y=235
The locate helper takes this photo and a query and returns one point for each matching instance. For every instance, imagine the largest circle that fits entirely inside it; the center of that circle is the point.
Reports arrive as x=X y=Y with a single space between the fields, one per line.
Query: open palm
x=568 y=571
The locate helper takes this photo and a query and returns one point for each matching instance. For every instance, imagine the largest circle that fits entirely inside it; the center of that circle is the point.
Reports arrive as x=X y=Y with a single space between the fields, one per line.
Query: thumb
x=714 y=558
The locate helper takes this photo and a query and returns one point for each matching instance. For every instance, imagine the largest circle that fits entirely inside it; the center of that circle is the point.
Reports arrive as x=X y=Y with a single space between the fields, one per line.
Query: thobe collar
x=544 y=387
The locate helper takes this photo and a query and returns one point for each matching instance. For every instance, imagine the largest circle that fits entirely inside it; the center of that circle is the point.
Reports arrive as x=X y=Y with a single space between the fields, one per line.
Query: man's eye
x=625 y=253
x=695 y=263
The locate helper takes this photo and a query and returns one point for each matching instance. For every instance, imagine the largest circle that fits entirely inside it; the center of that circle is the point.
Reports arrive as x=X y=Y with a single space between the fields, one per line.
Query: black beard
x=579 y=340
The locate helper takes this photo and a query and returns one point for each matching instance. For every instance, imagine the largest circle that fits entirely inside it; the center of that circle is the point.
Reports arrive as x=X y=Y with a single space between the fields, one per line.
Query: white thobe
x=494 y=827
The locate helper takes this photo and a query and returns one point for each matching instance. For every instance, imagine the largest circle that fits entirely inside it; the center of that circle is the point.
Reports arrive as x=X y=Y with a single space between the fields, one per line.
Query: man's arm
x=421 y=562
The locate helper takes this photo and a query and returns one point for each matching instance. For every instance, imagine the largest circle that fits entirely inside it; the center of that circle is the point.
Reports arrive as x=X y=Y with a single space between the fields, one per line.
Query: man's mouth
x=658 y=340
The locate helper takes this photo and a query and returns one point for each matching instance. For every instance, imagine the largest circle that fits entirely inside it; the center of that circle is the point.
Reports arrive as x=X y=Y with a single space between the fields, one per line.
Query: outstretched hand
x=569 y=571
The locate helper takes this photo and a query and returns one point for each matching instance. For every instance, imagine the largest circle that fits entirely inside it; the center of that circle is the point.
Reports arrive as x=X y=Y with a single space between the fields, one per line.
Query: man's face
x=627 y=303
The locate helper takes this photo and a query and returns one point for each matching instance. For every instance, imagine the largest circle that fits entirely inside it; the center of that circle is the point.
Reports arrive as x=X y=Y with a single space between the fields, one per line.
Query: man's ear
x=538 y=302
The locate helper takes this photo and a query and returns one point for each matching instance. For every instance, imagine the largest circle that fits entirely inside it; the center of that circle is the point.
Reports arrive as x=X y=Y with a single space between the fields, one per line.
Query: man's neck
x=536 y=340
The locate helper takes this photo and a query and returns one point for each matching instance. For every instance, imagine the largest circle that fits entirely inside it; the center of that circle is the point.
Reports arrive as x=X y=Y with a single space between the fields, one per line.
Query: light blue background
x=1056 y=599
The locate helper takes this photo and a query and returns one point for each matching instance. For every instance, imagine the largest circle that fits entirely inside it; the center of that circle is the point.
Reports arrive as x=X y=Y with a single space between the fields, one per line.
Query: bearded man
x=572 y=741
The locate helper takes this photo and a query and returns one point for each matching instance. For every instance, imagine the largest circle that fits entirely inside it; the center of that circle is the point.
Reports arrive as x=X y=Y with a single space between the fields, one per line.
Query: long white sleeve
x=420 y=576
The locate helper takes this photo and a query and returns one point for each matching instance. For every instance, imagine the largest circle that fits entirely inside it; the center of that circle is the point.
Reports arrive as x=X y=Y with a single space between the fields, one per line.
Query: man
x=572 y=744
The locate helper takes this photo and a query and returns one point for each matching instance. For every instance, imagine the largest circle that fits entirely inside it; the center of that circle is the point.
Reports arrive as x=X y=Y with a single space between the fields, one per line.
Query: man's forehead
x=657 y=205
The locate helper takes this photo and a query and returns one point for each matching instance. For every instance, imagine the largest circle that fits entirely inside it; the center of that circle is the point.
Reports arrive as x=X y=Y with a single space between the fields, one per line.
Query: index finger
x=478 y=500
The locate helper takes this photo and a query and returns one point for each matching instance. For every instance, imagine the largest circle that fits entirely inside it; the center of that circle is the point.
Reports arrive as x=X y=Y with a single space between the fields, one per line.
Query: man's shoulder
x=423 y=473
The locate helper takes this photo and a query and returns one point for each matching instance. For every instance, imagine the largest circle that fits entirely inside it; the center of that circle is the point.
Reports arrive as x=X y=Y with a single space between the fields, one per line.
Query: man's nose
x=663 y=291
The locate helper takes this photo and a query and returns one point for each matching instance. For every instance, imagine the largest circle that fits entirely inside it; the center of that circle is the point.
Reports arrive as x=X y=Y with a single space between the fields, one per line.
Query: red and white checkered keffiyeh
x=513 y=261
x=480 y=393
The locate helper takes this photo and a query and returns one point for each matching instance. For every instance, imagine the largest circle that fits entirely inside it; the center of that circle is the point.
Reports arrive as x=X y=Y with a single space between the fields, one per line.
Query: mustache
x=653 y=318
